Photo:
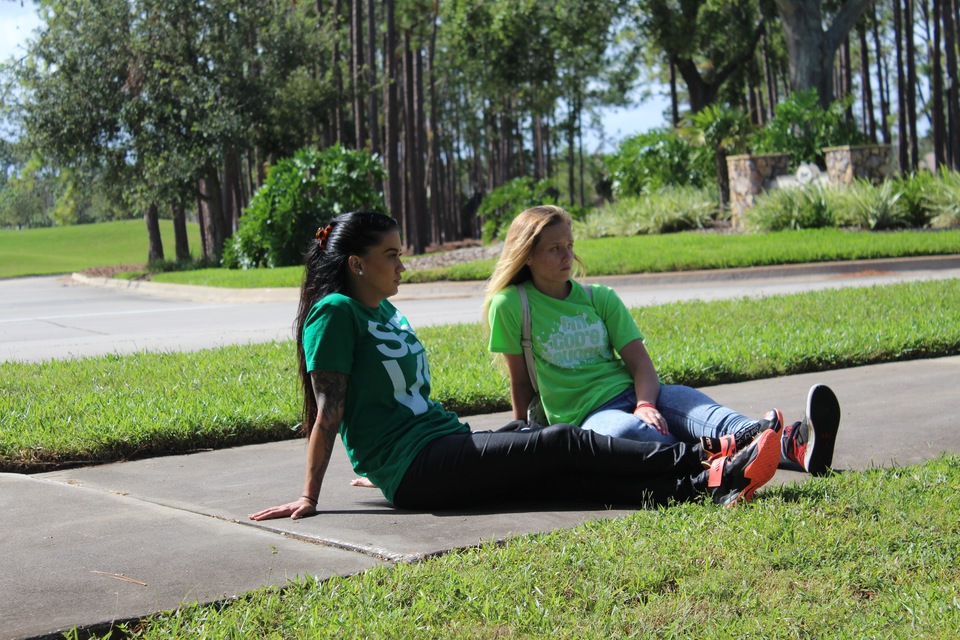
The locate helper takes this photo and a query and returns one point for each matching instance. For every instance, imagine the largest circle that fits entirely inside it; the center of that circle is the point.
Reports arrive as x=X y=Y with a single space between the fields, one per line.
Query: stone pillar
x=848 y=163
x=751 y=175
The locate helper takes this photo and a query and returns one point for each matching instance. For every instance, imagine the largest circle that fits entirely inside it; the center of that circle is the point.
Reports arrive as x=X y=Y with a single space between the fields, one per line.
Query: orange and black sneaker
x=740 y=475
x=808 y=445
x=728 y=445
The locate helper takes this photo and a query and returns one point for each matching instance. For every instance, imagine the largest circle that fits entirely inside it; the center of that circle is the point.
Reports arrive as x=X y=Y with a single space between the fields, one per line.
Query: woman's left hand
x=651 y=416
x=295 y=510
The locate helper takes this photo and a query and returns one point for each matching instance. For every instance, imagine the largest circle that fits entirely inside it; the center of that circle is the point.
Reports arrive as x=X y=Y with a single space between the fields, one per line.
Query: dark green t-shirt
x=388 y=414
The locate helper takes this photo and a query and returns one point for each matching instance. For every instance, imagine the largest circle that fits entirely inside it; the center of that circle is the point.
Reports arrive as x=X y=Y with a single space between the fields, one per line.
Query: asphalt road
x=44 y=318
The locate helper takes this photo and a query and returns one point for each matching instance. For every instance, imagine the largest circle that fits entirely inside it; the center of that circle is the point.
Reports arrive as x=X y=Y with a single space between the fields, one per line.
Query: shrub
x=656 y=159
x=802 y=128
x=620 y=218
x=808 y=207
x=874 y=208
x=917 y=188
x=667 y=210
x=506 y=201
x=301 y=194
x=944 y=200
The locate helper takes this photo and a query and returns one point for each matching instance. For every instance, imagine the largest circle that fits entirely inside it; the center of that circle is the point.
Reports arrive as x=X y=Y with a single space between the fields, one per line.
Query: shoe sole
x=823 y=418
x=760 y=470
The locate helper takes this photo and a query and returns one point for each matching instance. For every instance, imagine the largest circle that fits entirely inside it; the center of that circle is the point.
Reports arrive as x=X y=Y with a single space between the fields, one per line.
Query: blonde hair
x=522 y=238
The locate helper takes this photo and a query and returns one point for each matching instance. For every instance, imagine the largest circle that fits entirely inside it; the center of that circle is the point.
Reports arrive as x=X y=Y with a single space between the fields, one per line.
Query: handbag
x=535 y=413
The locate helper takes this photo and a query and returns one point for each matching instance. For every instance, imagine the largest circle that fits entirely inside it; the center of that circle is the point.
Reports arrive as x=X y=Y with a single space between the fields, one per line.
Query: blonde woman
x=593 y=369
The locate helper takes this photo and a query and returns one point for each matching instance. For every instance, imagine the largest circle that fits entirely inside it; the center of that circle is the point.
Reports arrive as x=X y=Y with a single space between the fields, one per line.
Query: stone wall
x=869 y=162
x=750 y=175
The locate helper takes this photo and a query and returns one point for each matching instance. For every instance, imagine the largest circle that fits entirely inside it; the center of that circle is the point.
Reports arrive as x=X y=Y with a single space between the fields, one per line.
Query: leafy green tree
x=724 y=131
x=803 y=128
x=517 y=61
x=708 y=43
x=648 y=161
x=506 y=201
x=813 y=37
x=160 y=95
x=301 y=194
x=27 y=198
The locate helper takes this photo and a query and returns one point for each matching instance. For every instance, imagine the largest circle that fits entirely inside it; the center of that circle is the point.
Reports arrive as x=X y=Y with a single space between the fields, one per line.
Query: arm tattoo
x=330 y=388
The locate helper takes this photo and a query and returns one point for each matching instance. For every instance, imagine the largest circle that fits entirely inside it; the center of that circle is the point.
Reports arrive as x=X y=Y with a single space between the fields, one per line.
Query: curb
x=446 y=289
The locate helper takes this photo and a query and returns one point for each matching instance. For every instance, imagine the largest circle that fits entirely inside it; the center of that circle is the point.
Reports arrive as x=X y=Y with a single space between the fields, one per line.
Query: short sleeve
x=620 y=324
x=504 y=317
x=329 y=335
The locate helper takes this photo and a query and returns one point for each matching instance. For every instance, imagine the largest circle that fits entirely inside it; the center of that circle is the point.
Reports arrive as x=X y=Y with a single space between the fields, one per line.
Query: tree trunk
x=336 y=126
x=846 y=76
x=908 y=15
x=537 y=135
x=391 y=107
x=233 y=192
x=356 y=73
x=769 y=77
x=674 y=101
x=411 y=153
x=702 y=93
x=155 y=245
x=181 y=239
x=420 y=150
x=883 y=80
x=580 y=152
x=571 y=139
x=938 y=119
x=812 y=50
x=372 y=108
x=212 y=214
x=950 y=25
x=869 y=121
x=548 y=141
x=437 y=228
x=902 y=133
x=506 y=145
x=201 y=219
x=723 y=177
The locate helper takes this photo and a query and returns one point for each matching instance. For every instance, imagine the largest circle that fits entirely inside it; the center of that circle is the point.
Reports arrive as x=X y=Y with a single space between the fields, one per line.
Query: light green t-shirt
x=575 y=345
x=388 y=414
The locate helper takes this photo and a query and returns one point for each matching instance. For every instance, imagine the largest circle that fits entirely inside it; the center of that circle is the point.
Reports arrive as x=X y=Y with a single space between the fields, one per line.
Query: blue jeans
x=689 y=413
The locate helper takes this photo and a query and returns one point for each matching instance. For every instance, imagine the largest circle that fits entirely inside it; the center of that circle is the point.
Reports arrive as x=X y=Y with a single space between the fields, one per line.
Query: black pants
x=557 y=463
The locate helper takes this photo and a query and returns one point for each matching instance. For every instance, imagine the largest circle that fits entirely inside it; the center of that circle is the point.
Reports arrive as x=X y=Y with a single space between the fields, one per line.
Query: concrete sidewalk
x=115 y=542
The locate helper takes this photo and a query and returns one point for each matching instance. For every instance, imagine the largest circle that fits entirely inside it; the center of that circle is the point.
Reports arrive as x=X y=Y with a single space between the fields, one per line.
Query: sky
x=19 y=19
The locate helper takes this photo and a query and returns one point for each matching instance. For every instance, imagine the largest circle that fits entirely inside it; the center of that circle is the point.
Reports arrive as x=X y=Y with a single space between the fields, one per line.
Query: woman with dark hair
x=365 y=376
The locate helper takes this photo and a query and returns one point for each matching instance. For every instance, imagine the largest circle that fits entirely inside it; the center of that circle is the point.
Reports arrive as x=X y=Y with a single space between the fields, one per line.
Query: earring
x=359 y=272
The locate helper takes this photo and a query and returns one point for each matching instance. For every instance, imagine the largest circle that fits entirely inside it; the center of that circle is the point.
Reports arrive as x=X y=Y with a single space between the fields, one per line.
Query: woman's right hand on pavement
x=296 y=510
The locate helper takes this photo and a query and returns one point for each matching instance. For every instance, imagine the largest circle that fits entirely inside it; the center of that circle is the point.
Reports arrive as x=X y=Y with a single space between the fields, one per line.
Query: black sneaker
x=741 y=474
x=808 y=445
x=730 y=444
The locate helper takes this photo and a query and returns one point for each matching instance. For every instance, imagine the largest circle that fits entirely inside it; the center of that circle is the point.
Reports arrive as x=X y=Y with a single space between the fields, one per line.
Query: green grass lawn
x=654 y=253
x=107 y=408
x=68 y=249
x=853 y=555
x=31 y=252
